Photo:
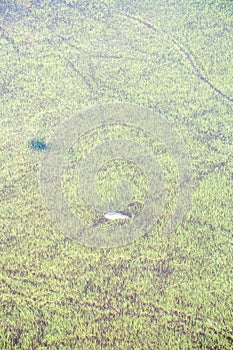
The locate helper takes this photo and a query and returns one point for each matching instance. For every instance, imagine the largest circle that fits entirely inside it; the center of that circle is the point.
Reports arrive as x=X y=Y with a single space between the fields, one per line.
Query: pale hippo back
x=116 y=216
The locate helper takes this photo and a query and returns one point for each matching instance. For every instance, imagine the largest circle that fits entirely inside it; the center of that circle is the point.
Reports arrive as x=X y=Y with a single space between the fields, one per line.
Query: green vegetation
x=163 y=291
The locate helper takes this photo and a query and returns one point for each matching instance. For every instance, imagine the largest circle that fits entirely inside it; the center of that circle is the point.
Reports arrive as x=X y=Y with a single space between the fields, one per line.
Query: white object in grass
x=116 y=216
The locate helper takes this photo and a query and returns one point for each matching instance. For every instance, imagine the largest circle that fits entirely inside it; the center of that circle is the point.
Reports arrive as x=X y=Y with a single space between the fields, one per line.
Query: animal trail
x=185 y=53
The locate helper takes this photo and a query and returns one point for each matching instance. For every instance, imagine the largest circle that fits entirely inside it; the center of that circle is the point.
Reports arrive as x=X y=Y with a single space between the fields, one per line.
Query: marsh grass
x=164 y=291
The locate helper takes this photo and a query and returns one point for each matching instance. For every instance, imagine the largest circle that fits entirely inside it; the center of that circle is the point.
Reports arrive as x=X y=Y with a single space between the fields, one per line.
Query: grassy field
x=164 y=290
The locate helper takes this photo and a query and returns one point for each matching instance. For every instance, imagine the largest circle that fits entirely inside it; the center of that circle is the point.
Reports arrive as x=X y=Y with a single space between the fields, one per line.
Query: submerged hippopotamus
x=116 y=216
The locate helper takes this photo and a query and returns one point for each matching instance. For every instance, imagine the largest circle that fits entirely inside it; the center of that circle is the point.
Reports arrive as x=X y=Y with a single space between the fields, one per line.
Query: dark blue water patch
x=37 y=144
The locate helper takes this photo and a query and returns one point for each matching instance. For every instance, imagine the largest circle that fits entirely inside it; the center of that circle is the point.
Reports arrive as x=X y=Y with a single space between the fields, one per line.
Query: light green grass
x=163 y=291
